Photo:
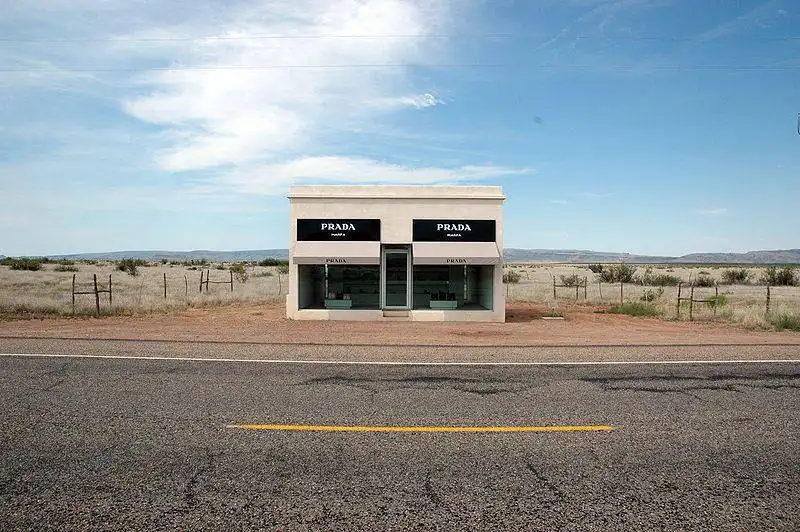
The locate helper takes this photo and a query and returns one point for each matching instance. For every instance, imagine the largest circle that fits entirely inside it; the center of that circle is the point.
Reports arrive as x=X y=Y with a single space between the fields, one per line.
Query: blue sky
x=641 y=126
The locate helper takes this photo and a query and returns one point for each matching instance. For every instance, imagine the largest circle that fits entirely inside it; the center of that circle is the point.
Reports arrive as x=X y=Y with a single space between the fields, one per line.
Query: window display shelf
x=338 y=303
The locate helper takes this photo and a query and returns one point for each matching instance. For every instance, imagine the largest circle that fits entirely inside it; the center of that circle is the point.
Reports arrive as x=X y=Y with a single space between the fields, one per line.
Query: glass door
x=396 y=278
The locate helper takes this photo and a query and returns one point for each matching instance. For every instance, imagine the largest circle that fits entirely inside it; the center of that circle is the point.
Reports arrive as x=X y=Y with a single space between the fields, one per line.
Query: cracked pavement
x=99 y=444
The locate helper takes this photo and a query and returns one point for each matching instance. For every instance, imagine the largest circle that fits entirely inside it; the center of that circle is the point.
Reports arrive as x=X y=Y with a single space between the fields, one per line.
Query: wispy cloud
x=417 y=101
x=253 y=113
x=558 y=202
x=596 y=195
x=273 y=87
x=270 y=179
x=595 y=17
x=715 y=211
x=760 y=16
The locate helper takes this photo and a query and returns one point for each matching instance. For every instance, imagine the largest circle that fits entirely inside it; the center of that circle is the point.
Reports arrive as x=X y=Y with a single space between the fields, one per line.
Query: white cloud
x=255 y=93
x=715 y=211
x=288 y=90
x=421 y=101
x=418 y=101
x=272 y=178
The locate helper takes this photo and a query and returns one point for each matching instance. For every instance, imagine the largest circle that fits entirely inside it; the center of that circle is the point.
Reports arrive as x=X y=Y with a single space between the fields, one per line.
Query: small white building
x=430 y=253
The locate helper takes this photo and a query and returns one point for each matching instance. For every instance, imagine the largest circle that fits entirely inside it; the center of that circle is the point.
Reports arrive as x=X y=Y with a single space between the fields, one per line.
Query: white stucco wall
x=397 y=207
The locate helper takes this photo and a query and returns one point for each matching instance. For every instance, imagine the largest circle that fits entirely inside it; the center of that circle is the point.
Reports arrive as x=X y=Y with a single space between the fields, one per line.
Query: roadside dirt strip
x=419 y=354
x=266 y=324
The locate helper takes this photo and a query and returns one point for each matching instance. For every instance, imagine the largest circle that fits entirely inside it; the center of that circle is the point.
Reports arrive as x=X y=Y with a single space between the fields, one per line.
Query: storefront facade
x=423 y=253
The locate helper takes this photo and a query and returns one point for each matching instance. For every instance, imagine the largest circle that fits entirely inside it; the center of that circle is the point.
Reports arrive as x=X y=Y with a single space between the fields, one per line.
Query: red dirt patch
x=266 y=324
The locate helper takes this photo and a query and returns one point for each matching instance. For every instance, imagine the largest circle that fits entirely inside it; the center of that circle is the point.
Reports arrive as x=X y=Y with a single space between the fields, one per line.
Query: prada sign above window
x=336 y=230
x=454 y=231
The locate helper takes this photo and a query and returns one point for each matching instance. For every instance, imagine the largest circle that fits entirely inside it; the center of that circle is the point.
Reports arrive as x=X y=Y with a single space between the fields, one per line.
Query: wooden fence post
x=73 y=293
x=96 y=295
x=165 y=285
x=554 y=288
x=691 y=303
x=621 y=285
x=767 y=299
x=678 y=305
x=600 y=289
x=201 y=281
x=585 y=285
x=231 y=272
x=576 y=292
x=110 y=296
x=186 y=283
x=716 y=299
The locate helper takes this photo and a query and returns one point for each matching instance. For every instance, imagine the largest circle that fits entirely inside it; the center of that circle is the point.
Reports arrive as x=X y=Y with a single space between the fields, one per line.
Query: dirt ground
x=266 y=324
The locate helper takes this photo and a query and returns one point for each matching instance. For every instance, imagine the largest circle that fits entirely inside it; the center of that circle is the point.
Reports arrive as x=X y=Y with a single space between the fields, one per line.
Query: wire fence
x=691 y=297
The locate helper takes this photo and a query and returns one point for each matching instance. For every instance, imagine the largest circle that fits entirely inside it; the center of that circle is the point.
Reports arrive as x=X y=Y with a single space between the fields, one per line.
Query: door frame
x=409 y=289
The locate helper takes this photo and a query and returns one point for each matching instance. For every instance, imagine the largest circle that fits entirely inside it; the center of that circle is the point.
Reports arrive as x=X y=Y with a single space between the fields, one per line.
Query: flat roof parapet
x=396 y=192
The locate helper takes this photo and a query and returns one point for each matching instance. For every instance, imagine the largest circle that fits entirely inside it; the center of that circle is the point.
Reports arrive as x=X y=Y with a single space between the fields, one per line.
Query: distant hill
x=567 y=256
x=575 y=256
x=218 y=256
x=572 y=256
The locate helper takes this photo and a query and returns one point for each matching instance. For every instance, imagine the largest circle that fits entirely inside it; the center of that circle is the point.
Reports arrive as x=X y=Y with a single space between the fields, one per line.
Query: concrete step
x=396 y=314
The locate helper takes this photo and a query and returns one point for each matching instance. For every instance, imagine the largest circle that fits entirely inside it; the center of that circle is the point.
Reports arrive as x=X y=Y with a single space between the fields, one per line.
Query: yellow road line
x=344 y=428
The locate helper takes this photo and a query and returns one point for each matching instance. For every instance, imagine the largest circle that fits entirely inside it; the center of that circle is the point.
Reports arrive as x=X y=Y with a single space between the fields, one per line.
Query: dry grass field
x=47 y=292
x=744 y=304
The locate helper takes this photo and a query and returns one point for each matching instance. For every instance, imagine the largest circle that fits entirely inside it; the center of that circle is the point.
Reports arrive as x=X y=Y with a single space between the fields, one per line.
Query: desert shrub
x=511 y=277
x=635 y=308
x=704 y=281
x=735 y=276
x=657 y=279
x=130 y=266
x=617 y=273
x=664 y=279
x=717 y=301
x=571 y=280
x=64 y=262
x=651 y=294
x=194 y=262
x=269 y=261
x=595 y=268
x=65 y=268
x=28 y=264
x=785 y=321
x=283 y=268
x=266 y=273
x=239 y=272
x=219 y=267
x=703 y=272
x=785 y=276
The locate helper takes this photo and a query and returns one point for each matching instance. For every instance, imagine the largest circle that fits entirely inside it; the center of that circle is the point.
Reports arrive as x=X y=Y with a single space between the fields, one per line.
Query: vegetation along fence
x=96 y=291
x=207 y=280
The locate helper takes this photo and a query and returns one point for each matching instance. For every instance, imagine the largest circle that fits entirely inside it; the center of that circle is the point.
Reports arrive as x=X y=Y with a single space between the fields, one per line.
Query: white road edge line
x=406 y=363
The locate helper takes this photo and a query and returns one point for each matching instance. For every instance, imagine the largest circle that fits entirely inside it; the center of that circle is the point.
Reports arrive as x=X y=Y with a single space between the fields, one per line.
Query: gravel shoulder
x=266 y=324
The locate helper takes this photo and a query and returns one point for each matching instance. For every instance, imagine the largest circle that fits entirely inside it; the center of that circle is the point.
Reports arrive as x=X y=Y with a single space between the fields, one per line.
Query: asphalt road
x=144 y=445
